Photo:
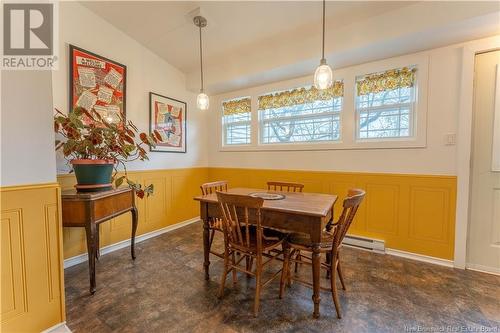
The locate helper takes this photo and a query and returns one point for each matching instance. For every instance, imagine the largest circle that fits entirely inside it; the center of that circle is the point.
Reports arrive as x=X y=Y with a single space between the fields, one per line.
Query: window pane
x=316 y=107
x=321 y=128
x=384 y=123
x=236 y=117
x=386 y=105
x=309 y=122
x=236 y=121
x=237 y=134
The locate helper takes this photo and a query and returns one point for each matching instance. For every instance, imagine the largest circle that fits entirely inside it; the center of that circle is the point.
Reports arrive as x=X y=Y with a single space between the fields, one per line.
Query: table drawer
x=112 y=205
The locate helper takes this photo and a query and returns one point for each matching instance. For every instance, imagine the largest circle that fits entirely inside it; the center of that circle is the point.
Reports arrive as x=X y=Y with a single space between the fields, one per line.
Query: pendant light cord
x=201 y=61
x=323 y=45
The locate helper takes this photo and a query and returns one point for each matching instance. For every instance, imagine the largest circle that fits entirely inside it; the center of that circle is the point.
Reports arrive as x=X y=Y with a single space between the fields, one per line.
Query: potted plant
x=95 y=147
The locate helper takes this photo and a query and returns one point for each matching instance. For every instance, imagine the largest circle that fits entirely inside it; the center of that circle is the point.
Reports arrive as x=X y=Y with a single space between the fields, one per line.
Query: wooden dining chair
x=287 y=187
x=331 y=242
x=214 y=224
x=244 y=234
x=284 y=186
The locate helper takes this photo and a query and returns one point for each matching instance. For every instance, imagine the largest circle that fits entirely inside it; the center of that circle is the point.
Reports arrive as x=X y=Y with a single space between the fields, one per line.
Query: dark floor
x=164 y=290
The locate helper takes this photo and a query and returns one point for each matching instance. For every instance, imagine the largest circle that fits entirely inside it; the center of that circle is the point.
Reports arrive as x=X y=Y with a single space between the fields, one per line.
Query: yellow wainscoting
x=414 y=213
x=172 y=202
x=32 y=282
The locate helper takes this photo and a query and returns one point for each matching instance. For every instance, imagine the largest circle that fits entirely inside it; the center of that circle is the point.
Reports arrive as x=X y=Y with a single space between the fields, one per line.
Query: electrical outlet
x=450 y=139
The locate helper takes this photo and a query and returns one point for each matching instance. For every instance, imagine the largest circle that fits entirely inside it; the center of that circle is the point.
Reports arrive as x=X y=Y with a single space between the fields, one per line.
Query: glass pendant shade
x=202 y=101
x=323 y=76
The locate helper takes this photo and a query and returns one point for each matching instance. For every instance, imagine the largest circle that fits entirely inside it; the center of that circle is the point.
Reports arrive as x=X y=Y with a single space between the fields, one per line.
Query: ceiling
x=248 y=43
x=233 y=27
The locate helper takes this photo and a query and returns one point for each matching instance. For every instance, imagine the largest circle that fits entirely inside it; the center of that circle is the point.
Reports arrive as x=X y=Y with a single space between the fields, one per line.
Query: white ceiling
x=165 y=28
x=248 y=39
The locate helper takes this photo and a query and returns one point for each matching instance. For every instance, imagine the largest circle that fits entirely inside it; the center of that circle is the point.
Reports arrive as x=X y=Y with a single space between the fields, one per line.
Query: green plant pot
x=93 y=175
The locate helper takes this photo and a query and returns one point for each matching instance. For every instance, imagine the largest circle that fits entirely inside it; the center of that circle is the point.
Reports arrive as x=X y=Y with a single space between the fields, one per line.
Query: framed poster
x=97 y=83
x=168 y=117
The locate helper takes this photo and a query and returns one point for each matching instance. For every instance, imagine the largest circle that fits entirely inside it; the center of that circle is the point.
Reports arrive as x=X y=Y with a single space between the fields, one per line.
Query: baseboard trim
x=483 y=269
x=420 y=257
x=125 y=243
x=59 y=328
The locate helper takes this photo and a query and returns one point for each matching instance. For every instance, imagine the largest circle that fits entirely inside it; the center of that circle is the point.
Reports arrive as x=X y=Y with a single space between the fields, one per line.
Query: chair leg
x=328 y=262
x=224 y=274
x=335 y=295
x=212 y=234
x=258 y=277
x=285 y=269
x=249 y=264
x=297 y=257
x=289 y=273
x=233 y=261
x=339 y=270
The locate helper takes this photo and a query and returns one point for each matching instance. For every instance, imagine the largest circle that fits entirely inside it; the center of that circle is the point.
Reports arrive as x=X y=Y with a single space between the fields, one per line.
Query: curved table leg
x=135 y=221
x=316 y=267
x=90 y=230
x=97 y=247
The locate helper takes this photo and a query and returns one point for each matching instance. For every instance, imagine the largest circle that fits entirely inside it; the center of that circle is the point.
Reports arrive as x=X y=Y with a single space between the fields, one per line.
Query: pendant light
x=323 y=76
x=202 y=99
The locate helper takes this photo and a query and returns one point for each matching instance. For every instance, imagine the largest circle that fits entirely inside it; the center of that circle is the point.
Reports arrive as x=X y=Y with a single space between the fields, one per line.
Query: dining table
x=300 y=212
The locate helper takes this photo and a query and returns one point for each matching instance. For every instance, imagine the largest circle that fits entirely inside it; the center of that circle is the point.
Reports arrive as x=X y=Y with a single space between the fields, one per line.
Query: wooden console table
x=88 y=210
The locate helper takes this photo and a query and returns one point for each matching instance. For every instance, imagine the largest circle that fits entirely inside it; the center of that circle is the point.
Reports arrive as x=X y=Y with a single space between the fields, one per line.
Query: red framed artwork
x=97 y=83
x=168 y=117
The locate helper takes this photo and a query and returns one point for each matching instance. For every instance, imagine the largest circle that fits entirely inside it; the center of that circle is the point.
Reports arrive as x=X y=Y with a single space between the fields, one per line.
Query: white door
x=484 y=225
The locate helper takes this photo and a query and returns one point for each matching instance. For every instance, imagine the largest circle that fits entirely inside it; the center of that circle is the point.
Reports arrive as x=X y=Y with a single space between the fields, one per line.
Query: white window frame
x=307 y=116
x=348 y=121
x=243 y=122
x=412 y=115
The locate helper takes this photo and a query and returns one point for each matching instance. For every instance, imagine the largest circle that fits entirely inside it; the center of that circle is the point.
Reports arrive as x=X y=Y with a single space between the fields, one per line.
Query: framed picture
x=97 y=83
x=168 y=116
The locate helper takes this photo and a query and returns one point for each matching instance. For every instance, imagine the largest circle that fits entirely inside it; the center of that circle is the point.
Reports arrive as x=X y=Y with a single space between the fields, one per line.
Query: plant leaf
x=119 y=181
x=158 y=136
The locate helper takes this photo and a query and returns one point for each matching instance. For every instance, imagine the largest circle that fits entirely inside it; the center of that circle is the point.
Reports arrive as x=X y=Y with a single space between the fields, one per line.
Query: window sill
x=338 y=145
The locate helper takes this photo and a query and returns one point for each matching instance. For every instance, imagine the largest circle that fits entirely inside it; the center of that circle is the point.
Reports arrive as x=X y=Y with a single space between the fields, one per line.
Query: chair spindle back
x=284 y=186
x=235 y=216
x=350 y=207
x=212 y=187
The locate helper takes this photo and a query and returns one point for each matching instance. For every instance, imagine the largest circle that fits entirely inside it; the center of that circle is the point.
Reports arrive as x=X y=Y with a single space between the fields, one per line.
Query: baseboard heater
x=365 y=243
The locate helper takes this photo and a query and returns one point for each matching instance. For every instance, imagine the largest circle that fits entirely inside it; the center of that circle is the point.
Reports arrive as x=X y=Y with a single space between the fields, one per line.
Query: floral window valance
x=300 y=96
x=388 y=80
x=237 y=106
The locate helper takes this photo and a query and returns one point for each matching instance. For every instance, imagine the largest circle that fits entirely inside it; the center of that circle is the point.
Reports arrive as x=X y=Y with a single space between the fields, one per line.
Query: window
x=385 y=104
x=379 y=105
x=301 y=115
x=236 y=121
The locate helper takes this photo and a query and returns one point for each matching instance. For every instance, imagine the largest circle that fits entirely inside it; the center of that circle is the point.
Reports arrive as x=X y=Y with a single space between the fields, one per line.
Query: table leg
x=135 y=222
x=316 y=267
x=90 y=230
x=206 y=248
x=97 y=246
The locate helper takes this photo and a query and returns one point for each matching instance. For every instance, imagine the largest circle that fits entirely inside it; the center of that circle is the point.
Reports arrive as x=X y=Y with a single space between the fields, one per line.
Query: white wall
x=145 y=72
x=27 y=132
x=436 y=158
